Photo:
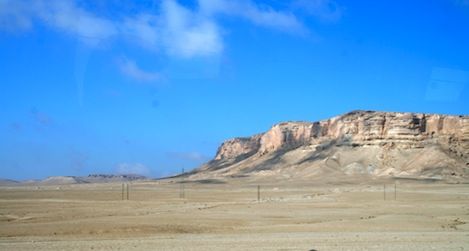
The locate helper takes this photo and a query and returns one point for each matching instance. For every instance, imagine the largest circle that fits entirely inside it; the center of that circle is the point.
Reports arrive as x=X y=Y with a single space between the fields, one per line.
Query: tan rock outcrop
x=384 y=130
x=238 y=146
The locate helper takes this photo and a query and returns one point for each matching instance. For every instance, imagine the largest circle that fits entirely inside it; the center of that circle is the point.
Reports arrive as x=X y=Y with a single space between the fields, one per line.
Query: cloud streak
x=187 y=34
x=172 y=28
x=131 y=69
x=264 y=16
x=323 y=10
x=64 y=16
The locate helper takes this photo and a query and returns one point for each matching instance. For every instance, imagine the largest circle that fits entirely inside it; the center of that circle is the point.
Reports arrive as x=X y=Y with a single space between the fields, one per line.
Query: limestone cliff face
x=404 y=130
x=385 y=130
x=238 y=146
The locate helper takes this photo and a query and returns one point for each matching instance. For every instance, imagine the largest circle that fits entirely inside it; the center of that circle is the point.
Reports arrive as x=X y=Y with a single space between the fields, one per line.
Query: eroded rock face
x=406 y=130
x=238 y=146
x=286 y=135
x=388 y=131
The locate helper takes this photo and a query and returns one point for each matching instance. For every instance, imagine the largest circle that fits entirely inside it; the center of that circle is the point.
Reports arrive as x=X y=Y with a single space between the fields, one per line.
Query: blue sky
x=151 y=87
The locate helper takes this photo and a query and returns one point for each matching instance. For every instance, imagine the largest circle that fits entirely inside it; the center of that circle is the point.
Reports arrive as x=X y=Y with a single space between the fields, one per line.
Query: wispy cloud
x=172 y=28
x=65 y=16
x=262 y=15
x=131 y=69
x=168 y=29
x=177 y=31
x=132 y=168
x=15 y=15
x=187 y=33
x=324 y=10
x=144 y=30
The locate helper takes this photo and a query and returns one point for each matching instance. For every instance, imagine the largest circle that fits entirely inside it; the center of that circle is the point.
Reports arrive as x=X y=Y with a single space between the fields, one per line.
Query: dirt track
x=290 y=216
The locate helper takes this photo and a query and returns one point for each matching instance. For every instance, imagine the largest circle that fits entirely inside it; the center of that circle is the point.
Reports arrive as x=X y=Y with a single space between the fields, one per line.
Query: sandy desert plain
x=226 y=215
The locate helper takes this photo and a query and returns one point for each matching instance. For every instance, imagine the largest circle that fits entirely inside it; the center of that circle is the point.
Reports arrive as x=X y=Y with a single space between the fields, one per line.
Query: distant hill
x=364 y=144
x=100 y=178
x=61 y=180
x=65 y=180
x=7 y=182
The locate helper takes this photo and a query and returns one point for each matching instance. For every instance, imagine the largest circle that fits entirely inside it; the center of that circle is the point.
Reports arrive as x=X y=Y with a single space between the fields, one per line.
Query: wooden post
x=395 y=191
x=384 y=191
x=128 y=191
x=122 y=191
x=181 y=187
x=258 y=193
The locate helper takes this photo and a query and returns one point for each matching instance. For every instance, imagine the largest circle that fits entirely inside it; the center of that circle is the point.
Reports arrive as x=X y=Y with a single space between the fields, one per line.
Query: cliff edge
x=365 y=143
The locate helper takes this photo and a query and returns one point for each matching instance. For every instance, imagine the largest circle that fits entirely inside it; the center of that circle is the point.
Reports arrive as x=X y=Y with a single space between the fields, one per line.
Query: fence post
x=128 y=189
x=384 y=191
x=182 y=187
x=258 y=193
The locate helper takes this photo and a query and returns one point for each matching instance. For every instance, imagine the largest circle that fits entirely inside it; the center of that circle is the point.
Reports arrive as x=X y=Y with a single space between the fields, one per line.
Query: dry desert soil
x=226 y=215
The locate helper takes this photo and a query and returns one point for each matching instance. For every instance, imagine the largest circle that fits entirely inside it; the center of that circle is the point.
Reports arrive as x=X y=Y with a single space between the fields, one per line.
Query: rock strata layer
x=401 y=135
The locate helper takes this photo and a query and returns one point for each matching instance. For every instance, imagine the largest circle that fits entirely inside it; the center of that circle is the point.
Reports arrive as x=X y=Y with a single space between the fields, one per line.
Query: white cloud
x=324 y=10
x=259 y=15
x=65 y=15
x=14 y=15
x=172 y=29
x=186 y=33
x=176 y=30
x=144 y=29
x=131 y=69
x=132 y=168
x=62 y=15
x=273 y=19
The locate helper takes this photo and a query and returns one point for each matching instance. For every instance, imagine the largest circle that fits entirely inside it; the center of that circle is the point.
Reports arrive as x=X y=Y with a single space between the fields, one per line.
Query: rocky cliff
x=360 y=142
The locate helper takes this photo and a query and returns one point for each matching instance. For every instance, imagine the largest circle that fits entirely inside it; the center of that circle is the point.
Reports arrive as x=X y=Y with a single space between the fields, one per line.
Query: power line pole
x=258 y=193
x=182 y=188
x=384 y=191
x=128 y=191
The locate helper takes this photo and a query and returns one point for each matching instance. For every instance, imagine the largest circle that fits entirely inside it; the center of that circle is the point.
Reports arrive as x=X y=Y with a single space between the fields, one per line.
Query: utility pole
x=182 y=188
x=128 y=191
x=384 y=191
x=258 y=193
x=122 y=191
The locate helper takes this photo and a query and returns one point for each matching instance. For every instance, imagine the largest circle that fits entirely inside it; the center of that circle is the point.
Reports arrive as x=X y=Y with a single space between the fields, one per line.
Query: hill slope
x=359 y=143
